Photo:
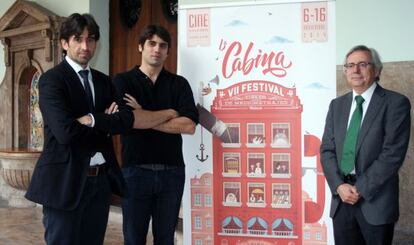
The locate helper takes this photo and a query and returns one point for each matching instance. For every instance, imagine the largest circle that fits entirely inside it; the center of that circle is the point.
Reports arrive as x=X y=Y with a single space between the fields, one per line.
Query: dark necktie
x=348 y=154
x=88 y=91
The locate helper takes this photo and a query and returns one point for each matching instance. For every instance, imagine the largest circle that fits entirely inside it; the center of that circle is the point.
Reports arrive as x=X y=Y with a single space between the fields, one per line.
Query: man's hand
x=132 y=102
x=144 y=119
x=113 y=108
x=174 y=113
x=348 y=193
x=85 y=120
x=178 y=125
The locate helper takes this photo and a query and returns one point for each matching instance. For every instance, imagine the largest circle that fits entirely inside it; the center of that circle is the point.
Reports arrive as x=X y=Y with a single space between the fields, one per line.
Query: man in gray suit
x=362 y=153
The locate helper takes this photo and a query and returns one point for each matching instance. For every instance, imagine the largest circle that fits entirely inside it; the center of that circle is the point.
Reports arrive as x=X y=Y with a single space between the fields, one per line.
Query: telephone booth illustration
x=257 y=170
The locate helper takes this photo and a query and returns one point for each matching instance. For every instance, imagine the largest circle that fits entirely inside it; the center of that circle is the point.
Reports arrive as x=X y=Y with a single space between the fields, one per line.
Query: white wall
x=383 y=25
x=98 y=8
x=64 y=8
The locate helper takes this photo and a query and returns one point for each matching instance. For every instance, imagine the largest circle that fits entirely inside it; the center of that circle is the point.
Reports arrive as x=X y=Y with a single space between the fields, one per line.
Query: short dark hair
x=76 y=23
x=151 y=30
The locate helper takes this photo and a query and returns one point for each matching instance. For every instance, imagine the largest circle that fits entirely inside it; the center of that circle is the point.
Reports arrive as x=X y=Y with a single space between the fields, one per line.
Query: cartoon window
x=208 y=223
x=318 y=236
x=208 y=201
x=257 y=226
x=197 y=222
x=256 y=165
x=255 y=135
x=283 y=227
x=281 y=165
x=231 y=164
x=231 y=136
x=256 y=195
x=280 y=135
x=281 y=196
x=197 y=199
x=231 y=225
x=231 y=194
x=207 y=181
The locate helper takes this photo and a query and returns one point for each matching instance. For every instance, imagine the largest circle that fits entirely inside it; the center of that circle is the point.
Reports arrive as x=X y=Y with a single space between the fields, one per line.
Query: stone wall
x=397 y=76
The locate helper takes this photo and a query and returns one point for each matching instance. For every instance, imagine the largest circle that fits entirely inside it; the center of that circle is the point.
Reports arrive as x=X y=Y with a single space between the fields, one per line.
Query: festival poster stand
x=263 y=74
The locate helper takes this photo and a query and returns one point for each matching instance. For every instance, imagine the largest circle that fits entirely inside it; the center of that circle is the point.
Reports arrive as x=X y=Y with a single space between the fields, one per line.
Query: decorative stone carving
x=130 y=11
x=30 y=35
x=17 y=167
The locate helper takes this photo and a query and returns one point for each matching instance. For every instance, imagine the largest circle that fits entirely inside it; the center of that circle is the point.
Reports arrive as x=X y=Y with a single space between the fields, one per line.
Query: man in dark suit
x=361 y=163
x=77 y=170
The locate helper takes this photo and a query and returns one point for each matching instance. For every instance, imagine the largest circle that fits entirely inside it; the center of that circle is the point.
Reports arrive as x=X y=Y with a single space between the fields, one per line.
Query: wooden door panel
x=158 y=17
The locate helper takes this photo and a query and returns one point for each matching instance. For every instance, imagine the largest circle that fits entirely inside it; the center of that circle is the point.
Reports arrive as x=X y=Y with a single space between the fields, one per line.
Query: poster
x=263 y=75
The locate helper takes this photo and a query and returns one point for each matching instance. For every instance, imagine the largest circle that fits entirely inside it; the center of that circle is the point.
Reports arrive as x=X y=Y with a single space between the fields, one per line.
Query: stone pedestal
x=16 y=168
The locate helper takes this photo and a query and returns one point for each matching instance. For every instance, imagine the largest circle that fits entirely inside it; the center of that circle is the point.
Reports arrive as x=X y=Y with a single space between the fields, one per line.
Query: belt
x=97 y=170
x=157 y=167
x=350 y=179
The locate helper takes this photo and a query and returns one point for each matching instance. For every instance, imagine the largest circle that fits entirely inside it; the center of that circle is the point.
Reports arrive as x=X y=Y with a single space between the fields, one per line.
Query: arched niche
x=30 y=123
x=29 y=34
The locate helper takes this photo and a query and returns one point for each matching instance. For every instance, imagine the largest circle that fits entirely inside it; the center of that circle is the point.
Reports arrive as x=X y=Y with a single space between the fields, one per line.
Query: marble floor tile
x=23 y=226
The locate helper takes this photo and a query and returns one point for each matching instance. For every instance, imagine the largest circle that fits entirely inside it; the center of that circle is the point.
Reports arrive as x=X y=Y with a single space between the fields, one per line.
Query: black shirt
x=170 y=91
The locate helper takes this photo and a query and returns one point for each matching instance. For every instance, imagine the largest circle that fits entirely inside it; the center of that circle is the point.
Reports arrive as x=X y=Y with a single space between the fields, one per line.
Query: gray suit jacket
x=381 y=148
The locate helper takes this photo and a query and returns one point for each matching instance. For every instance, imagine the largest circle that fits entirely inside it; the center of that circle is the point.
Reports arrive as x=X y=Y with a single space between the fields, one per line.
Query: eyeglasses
x=360 y=65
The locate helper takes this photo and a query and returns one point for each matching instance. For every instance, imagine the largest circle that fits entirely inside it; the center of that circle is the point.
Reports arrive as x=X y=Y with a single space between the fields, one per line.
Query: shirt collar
x=144 y=76
x=75 y=66
x=367 y=94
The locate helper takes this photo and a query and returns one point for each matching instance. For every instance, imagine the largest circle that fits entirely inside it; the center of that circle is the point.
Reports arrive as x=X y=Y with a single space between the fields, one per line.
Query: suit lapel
x=342 y=122
x=374 y=106
x=72 y=77
x=75 y=84
x=98 y=90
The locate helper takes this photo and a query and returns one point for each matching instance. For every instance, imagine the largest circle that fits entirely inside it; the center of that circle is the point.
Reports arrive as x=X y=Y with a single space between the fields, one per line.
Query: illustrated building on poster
x=257 y=164
x=202 y=212
x=313 y=233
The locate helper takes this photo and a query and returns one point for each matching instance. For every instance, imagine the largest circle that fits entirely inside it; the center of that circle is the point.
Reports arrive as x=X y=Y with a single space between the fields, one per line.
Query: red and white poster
x=263 y=75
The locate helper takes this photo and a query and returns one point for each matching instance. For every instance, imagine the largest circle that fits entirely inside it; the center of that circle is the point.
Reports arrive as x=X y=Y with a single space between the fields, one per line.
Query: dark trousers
x=86 y=224
x=152 y=194
x=351 y=227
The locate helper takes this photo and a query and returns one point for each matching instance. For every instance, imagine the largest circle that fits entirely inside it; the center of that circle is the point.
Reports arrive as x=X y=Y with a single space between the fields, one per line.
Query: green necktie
x=348 y=154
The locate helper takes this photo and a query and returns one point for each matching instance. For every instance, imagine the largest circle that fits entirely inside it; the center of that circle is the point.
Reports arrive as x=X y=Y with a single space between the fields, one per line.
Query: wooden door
x=124 y=53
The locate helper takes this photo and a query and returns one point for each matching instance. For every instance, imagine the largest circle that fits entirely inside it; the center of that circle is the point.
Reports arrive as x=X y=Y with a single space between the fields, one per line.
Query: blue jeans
x=86 y=224
x=151 y=194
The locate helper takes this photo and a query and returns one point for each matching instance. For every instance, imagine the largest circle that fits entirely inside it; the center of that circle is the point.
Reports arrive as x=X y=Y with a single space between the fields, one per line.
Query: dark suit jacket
x=61 y=171
x=381 y=148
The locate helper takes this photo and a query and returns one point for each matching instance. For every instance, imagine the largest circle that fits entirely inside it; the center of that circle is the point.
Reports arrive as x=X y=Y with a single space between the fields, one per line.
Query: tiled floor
x=23 y=226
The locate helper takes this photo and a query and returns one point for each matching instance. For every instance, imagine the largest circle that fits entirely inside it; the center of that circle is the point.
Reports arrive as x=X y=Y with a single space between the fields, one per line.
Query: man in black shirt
x=153 y=164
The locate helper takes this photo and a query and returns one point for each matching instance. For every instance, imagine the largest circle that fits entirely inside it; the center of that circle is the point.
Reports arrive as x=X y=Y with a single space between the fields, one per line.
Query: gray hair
x=375 y=58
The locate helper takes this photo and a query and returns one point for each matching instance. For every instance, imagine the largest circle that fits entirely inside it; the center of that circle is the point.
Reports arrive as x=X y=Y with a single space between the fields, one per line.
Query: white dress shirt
x=98 y=158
